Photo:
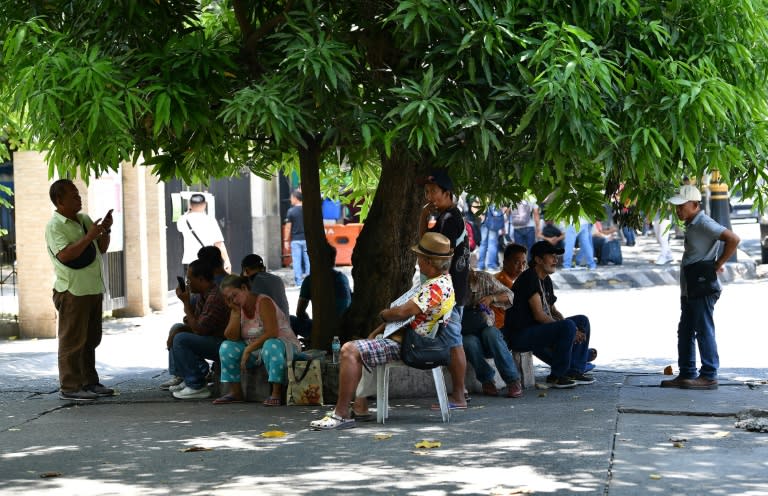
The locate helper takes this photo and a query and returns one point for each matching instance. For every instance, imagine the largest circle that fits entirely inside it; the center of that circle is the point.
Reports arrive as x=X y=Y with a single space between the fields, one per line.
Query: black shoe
x=560 y=382
x=582 y=379
x=99 y=390
x=81 y=395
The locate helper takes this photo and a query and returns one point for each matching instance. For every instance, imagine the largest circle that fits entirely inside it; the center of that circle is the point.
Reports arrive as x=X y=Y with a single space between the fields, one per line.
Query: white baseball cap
x=687 y=193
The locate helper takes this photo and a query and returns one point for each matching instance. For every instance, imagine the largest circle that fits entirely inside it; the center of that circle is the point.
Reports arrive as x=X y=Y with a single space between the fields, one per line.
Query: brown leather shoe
x=489 y=389
x=699 y=383
x=515 y=390
x=677 y=382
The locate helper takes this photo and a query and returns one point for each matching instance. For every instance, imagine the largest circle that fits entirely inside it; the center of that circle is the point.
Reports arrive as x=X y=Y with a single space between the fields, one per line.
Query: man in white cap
x=199 y=230
x=699 y=290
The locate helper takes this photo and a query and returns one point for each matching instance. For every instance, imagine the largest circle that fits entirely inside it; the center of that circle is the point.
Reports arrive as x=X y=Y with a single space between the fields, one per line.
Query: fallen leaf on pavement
x=428 y=444
x=678 y=444
x=655 y=476
x=273 y=434
x=48 y=475
x=192 y=449
x=542 y=395
x=668 y=370
x=381 y=437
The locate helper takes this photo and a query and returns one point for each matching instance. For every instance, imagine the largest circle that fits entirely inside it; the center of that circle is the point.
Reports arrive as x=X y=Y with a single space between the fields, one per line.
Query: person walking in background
x=75 y=244
x=703 y=237
x=441 y=215
x=524 y=222
x=199 y=230
x=661 y=231
x=491 y=228
x=586 y=250
x=293 y=238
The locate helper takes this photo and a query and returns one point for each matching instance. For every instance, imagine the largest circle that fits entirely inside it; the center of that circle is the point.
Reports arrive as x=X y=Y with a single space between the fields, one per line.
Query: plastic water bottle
x=335 y=349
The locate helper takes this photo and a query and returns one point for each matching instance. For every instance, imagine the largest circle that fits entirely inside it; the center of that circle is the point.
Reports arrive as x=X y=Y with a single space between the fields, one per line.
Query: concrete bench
x=405 y=382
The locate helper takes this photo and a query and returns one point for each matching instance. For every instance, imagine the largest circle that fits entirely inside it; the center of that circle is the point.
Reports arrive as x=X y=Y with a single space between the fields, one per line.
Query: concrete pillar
x=135 y=243
x=37 y=315
x=156 y=247
x=265 y=212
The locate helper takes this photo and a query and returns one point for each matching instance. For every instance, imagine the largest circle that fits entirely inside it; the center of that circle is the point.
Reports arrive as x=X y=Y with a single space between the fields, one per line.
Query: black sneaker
x=582 y=379
x=560 y=382
x=81 y=395
x=99 y=390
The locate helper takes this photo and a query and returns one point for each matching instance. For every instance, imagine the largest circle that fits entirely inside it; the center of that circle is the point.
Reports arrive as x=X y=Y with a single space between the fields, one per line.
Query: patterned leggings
x=272 y=355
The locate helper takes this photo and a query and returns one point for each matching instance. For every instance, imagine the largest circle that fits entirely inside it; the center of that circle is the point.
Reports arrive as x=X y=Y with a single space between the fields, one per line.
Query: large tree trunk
x=382 y=263
x=325 y=323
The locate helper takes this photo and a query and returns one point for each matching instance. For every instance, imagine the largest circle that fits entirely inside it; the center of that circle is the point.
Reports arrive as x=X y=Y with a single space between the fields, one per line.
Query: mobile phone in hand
x=182 y=283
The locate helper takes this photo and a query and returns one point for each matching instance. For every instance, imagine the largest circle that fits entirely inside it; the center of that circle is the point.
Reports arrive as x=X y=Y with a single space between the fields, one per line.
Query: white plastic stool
x=382 y=392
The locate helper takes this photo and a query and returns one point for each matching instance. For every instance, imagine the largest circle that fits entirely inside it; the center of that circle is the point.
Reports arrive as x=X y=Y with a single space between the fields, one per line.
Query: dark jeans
x=189 y=354
x=525 y=236
x=552 y=343
x=697 y=326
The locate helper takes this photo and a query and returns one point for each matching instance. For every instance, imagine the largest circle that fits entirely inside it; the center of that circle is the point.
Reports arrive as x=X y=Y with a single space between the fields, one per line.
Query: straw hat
x=434 y=245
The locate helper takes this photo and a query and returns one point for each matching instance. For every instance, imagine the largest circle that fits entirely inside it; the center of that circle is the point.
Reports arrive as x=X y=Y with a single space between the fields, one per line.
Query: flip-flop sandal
x=591 y=354
x=451 y=406
x=271 y=401
x=332 y=422
x=226 y=399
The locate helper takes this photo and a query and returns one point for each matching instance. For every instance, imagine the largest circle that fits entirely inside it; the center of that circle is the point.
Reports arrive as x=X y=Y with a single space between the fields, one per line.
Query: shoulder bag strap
x=194 y=233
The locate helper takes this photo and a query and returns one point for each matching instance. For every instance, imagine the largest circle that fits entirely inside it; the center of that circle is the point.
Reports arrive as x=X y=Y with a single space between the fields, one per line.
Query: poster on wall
x=105 y=193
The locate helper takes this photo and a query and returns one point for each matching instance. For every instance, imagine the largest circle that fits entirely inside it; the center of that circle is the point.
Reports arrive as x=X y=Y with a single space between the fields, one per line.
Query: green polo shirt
x=60 y=233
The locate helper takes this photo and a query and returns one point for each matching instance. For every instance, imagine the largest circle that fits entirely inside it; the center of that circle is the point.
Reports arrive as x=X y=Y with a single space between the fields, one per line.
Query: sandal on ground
x=272 y=401
x=362 y=417
x=331 y=422
x=226 y=399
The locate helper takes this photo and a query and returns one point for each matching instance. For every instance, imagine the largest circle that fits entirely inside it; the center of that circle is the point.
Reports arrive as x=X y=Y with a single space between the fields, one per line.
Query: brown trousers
x=79 y=335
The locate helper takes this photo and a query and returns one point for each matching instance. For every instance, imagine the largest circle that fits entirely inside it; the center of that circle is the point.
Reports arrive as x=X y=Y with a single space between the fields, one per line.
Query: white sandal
x=330 y=422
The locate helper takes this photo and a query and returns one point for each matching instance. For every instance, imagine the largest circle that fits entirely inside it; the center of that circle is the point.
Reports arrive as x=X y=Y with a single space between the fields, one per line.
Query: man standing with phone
x=75 y=244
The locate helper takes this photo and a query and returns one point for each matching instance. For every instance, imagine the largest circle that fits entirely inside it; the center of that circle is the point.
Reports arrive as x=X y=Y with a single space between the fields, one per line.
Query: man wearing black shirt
x=441 y=215
x=534 y=324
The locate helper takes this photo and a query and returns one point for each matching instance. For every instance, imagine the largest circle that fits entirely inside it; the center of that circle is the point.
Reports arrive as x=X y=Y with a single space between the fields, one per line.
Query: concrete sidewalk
x=622 y=435
x=638 y=269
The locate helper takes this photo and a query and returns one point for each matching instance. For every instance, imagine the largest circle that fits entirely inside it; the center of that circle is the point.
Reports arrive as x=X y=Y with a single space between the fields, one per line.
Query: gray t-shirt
x=272 y=286
x=702 y=242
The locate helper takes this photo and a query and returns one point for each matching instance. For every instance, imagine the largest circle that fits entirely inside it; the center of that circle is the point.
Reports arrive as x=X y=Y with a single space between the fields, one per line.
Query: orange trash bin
x=343 y=237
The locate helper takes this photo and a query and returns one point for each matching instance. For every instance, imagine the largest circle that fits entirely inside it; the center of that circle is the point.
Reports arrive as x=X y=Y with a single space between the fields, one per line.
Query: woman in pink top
x=258 y=332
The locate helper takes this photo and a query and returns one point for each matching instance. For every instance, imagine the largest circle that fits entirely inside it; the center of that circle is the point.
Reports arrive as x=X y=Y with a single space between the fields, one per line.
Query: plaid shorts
x=375 y=352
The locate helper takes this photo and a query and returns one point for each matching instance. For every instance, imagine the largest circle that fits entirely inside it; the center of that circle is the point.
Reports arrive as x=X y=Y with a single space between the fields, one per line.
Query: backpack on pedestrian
x=470 y=235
